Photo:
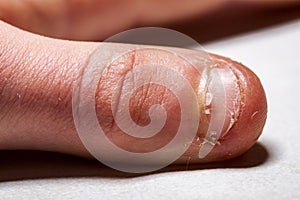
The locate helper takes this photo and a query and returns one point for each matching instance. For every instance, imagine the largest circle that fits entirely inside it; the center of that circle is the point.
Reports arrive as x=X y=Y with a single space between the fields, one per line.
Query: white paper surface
x=274 y=55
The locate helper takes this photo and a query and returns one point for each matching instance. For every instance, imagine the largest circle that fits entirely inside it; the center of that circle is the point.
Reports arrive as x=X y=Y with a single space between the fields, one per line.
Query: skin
x=76 y=19
x=37 y=76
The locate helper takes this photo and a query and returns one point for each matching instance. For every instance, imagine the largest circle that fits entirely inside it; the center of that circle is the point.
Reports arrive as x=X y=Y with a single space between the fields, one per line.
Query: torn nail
x=222 y=102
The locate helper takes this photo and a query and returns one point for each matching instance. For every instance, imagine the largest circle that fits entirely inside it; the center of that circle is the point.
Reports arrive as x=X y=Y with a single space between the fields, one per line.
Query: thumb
x=38 y=75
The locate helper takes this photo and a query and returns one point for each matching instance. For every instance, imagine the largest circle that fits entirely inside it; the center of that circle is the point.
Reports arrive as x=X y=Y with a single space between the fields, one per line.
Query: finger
x=37 y=78
x=94 y=19
x=98 y=19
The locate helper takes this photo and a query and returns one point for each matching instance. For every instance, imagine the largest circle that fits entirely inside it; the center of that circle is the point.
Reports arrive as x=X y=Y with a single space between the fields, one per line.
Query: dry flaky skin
x=37 y=77
x=240 y=137
x=252 y=116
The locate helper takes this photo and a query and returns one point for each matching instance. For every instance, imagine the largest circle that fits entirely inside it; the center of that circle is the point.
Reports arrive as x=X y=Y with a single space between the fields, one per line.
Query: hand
x=98 y=19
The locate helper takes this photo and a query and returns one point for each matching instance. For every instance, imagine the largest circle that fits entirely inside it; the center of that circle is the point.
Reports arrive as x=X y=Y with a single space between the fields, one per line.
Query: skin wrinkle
x=61 y=84
x=140 y=103
x=49 y=73
x=9 y=98
x=64 y=85
x=113 y=123
x=147 y=95
x=62 y=101
x=122 y=79
x=139 y=107
x=33 y=107
x=40 y=87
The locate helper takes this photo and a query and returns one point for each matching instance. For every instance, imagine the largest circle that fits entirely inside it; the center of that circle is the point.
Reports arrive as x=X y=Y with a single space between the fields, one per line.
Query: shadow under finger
x=24 y=165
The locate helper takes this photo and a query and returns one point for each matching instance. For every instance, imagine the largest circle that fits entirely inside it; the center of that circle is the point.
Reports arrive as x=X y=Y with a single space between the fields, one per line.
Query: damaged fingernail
x=222 y=104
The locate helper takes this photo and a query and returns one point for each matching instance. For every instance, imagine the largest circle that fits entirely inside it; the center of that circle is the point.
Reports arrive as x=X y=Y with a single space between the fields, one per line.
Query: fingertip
x=249 y=124
x=253 y=112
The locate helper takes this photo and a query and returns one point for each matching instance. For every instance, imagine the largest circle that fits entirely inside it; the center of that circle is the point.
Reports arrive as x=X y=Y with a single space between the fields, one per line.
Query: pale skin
x=37 y=77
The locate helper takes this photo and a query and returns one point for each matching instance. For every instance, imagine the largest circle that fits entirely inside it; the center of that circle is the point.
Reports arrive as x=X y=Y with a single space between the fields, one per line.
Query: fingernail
x=222 y=104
